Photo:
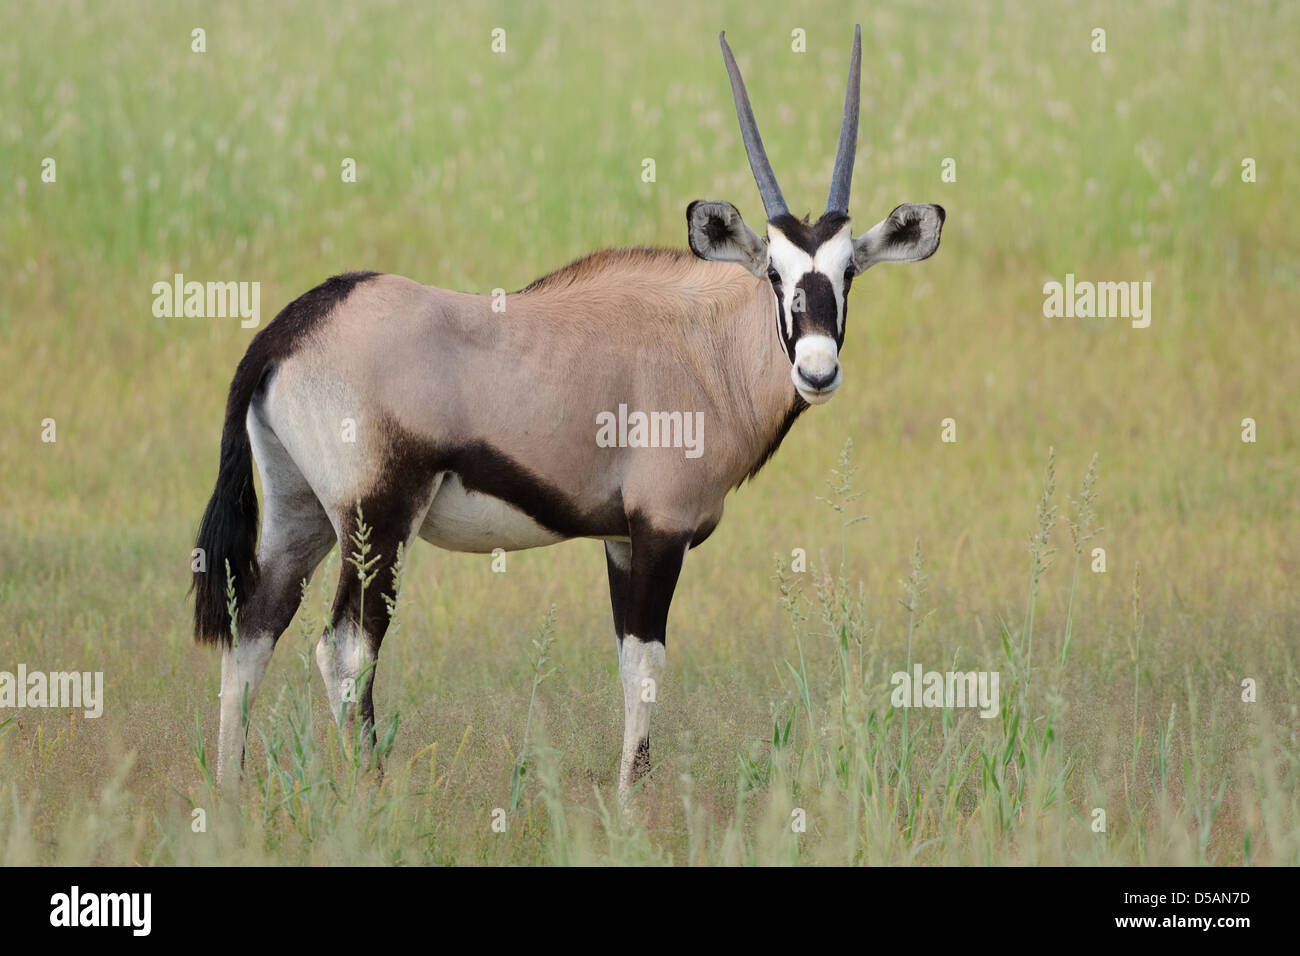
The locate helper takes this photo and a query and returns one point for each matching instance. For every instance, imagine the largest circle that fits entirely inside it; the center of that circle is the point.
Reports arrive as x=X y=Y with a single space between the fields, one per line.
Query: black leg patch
x=619 y=579
x=641 y=766
x=656 y=563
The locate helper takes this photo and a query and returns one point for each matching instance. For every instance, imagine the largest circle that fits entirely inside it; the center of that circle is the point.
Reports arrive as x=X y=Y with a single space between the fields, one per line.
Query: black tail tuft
x=228 y=531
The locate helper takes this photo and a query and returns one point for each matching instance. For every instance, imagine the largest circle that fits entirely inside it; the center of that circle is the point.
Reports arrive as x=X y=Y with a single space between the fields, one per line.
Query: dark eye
x=773 y=276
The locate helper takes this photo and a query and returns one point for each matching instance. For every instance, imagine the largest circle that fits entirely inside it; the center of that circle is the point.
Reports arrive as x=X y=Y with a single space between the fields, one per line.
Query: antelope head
x=809 y=266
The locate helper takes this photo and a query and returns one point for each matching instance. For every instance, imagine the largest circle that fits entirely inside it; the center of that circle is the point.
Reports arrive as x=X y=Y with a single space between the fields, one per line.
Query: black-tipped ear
x=908 y=234
x=716 y=231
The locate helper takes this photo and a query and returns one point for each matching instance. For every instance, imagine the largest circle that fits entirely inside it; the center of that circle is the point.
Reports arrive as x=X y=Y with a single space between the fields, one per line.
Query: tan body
x=653 y=330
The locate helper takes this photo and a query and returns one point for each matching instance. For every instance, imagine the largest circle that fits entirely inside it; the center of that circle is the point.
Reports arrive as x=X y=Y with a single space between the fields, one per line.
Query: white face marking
x=816 y=356
x=791 y=263
x=831 y=260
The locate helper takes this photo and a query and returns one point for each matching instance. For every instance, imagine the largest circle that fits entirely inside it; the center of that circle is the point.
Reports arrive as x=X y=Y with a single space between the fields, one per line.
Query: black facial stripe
x=820 y=305
x=787 y=342
x=844 y=325
x=806 y=237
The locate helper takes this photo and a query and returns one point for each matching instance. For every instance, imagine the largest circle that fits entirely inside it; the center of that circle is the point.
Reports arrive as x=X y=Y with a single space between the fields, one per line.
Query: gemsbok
x=478 y=429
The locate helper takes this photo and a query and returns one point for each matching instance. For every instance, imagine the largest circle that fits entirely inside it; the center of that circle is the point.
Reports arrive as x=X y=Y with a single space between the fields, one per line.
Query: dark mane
x=601 y=260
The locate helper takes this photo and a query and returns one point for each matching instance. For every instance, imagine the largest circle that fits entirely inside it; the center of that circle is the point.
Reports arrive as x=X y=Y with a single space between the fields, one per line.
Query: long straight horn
x=842 y=178
x=773 y=201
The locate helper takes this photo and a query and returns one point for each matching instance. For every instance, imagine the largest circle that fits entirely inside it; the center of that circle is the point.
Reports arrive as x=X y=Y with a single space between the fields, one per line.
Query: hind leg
x=296 y=535
x=348 y=652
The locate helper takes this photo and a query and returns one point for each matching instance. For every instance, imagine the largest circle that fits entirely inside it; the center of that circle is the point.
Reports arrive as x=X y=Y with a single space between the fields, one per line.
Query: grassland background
x=479 y=171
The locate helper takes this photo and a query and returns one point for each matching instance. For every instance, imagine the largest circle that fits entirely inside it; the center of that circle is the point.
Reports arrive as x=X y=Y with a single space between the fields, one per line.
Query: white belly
x=461 y=520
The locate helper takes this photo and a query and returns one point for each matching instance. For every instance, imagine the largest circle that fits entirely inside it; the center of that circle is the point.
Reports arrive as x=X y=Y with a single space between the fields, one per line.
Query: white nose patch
x=815 y=358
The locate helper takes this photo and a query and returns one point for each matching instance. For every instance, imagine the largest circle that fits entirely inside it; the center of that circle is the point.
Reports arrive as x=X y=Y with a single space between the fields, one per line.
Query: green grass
x=479 y=171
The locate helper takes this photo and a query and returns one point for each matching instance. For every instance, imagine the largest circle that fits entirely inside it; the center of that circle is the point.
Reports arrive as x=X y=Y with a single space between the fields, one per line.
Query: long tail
x=228 y=531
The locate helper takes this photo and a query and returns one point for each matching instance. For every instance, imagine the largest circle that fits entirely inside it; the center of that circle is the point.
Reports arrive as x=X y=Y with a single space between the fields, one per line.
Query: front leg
x=655 y=562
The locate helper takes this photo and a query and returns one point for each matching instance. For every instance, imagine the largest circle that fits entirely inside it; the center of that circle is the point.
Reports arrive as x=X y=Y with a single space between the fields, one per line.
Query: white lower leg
x=641 y=666
x=242 y=669
x=345 y=664
x=325 y=663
